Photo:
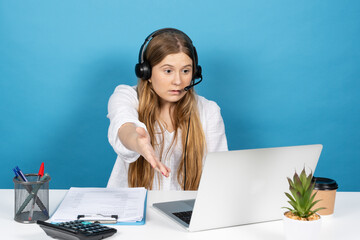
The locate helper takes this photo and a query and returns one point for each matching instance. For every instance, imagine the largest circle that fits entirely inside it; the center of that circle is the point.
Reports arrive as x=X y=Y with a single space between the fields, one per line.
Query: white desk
x=344 y=224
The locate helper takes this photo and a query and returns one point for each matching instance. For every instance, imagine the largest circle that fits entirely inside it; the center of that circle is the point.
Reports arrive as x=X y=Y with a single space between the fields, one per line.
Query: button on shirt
x=122 y=108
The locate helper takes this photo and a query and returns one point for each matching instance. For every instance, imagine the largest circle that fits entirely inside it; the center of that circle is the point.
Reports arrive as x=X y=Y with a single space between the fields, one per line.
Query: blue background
x=283 y=72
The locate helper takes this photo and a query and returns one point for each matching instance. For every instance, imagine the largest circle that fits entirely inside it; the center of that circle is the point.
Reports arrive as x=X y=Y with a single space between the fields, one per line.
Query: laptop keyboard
x=184 y=216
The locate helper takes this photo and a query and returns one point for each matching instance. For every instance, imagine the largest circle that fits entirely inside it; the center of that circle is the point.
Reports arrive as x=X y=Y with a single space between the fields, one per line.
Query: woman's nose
x=177 y=79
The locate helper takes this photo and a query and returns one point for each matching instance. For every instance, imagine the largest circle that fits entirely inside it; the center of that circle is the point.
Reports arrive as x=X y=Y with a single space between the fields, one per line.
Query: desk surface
x=342 y=225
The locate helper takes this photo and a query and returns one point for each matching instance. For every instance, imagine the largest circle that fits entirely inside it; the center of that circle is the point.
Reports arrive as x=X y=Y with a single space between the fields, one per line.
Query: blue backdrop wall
x=283 y=72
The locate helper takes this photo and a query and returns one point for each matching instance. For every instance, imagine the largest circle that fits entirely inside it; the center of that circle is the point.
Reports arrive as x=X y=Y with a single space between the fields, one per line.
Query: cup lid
x=325 y=183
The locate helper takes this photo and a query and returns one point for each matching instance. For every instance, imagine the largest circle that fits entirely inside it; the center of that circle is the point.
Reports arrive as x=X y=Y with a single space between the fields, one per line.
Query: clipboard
x=112 y=219
x=64 y=211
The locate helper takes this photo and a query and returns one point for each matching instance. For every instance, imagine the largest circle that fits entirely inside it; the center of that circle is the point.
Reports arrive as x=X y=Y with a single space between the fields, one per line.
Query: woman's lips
x=175 y=91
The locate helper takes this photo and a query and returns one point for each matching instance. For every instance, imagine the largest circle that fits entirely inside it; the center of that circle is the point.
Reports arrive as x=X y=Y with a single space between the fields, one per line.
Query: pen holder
x=31 y=199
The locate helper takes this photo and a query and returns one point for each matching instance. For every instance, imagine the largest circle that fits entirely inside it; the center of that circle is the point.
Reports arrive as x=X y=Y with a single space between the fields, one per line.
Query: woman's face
x=171 y=76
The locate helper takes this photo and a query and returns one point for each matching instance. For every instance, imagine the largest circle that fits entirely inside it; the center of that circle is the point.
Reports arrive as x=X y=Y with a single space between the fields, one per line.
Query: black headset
x=143 y=68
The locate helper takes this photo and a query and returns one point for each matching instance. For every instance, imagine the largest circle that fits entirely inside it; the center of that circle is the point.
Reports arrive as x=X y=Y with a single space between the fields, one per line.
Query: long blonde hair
x=185 y=112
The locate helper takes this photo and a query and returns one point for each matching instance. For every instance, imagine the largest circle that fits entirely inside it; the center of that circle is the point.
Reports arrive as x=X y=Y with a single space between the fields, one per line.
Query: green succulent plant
x=301 y=198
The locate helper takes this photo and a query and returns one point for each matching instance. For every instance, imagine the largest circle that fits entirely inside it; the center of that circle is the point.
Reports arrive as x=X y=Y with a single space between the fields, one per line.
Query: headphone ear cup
x=198 y=72
x=138 y=70
x=143 y=70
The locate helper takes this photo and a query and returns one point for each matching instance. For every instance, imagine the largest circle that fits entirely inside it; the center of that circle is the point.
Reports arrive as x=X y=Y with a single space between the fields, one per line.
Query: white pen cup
x=31 y=199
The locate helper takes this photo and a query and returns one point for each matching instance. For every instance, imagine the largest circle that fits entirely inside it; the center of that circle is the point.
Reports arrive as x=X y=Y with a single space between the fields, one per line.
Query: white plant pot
x=300 y=230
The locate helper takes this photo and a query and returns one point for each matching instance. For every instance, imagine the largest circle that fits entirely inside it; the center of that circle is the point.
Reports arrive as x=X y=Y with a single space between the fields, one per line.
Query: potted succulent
x=301 y=222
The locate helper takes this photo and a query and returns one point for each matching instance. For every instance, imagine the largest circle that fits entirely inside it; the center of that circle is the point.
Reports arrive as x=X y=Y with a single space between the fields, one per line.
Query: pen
x=32 y=194
x=40 y=174
x=41 y=171
x=20 y=173
x=16 y=174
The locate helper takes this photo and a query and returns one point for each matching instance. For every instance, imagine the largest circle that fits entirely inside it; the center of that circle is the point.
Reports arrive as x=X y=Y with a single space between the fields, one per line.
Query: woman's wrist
x=127 y=135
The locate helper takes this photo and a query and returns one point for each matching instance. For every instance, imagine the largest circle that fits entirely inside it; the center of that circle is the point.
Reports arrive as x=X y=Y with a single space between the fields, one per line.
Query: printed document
x=126 y=203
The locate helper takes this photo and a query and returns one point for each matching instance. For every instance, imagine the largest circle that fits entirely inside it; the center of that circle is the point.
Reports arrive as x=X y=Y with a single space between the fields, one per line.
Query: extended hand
x=148 y=152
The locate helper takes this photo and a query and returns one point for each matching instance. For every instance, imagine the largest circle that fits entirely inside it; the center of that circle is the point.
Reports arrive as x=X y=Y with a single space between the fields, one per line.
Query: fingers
x=160 y=167
x=167 y=169
x=164 y=170
x=150 y=156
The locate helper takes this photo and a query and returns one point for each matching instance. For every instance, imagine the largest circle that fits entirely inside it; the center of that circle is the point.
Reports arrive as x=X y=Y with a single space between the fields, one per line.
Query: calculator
x=76 y=230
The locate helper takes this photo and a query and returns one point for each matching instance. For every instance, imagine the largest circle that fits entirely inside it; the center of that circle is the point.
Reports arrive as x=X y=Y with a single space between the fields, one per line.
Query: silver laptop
x=242 y=187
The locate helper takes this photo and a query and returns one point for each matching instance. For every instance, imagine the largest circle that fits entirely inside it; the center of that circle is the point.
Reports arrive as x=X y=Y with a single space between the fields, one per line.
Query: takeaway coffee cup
x=326 y=191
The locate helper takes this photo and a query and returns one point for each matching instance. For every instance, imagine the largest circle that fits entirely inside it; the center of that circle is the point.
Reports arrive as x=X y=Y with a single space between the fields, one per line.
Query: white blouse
x=122 y=108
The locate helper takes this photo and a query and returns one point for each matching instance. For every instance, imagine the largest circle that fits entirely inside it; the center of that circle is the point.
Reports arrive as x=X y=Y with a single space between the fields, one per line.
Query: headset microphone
x=192 y=85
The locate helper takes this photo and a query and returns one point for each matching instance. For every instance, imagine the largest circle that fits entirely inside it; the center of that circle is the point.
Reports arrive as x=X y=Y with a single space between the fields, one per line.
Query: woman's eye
x=186 y=71
x=167 y=71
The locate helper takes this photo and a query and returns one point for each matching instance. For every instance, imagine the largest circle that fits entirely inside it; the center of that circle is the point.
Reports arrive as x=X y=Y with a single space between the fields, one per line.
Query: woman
x=160 y=129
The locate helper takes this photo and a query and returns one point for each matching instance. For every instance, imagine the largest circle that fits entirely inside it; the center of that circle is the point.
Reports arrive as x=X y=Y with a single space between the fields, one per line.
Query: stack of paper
x=126 y=203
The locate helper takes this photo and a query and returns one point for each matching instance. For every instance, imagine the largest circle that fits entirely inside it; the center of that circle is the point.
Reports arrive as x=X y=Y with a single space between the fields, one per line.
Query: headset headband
x=158 y=32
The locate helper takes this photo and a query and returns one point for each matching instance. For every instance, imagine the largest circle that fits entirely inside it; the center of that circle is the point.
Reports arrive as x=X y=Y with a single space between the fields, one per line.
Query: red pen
x=41 y=171
x=40 y=174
